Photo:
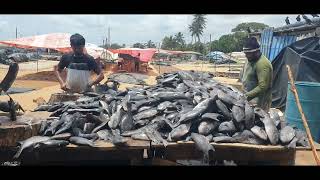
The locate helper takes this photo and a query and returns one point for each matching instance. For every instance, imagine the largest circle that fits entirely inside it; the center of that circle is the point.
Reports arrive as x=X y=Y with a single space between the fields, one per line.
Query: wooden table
x=241 y=153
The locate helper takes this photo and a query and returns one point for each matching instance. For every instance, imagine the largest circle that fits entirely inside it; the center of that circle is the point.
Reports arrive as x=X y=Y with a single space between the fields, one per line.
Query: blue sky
x=127 y=29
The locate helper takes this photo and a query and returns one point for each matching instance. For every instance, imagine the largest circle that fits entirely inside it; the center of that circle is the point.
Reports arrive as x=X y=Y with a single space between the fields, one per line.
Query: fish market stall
x=185 y=115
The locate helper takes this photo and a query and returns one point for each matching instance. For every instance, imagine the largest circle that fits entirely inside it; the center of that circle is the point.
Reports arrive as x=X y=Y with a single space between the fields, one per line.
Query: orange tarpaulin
x=56 y=41
x=145 y=54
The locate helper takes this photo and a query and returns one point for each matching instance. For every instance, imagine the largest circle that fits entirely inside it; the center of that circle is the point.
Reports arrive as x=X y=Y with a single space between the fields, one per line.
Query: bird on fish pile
x=287 y=21
x=298 y=18
x=314 y=15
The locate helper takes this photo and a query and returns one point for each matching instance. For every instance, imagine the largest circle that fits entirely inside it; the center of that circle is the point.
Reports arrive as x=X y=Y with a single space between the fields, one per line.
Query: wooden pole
x=304 y=119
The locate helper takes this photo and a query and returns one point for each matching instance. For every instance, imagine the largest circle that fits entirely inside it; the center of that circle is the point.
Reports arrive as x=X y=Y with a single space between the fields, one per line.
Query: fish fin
x=17 y=155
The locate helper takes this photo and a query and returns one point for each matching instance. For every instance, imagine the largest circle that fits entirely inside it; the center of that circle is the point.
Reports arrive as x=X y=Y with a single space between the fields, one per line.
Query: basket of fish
x=182 y=106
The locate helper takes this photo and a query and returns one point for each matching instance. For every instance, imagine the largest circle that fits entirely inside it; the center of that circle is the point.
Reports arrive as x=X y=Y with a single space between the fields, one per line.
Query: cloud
x=127 y=29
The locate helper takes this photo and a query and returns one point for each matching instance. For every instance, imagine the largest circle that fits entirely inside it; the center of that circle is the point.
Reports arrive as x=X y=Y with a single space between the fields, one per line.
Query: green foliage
x=255 y=26
x=138 y=45
x=197 y=26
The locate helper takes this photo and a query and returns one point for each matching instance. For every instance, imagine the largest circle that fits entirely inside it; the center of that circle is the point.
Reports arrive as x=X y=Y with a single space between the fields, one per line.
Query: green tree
x=124 y=45
x=180 y=42
x=150 y=44
x=197 y=26
x=138 y=45
x=255 y=26
x=168 y=43
x=115 y=46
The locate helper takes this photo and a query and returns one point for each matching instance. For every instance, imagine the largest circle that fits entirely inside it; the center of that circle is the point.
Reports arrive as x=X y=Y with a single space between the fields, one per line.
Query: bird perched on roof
x=287 y=20
x=298 y=18
x=308 y=21
x=314 y=15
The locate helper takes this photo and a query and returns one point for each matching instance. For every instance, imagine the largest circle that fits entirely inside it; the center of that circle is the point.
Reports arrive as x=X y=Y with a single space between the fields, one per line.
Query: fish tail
x=17 y=155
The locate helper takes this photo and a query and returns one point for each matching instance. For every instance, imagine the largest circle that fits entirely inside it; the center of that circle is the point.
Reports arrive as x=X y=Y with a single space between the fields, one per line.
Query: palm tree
x=197 y=26
x=179 y=39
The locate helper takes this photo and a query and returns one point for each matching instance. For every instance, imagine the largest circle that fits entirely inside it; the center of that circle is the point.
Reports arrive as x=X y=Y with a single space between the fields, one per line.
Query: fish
x=44 y=125
x=224 y=110
x=302 y=138
x=105 y=134
x=116 y=118
x=207 y=127
x=88 y=127
x=293 y=143
x=95 y=111
x=145 y=114
x=181 y=87
x=226 y=98
x=169 y=96
x=287 y=134
x=51 y=143
x=54 y=107
x=249 y=116
x=164 y=105
x=223 y=139
x=63 y=136
x=105 y=107
x=196 y=112
x=79 y=133
x=211 y=116
x=247 y=137
x=67 y=123
x=81 y=141
x=259 y=132
x=141 y=136
x=227 y=127
x=52 y=128
x=126 y=123
x=275 y=117
x=238 y=113
x=43 y=107
x=271 y=130
x=28 y=143
x=202 y=144
x=179 y=132
x=101 y=126
x=118 y=140
x=144 y=108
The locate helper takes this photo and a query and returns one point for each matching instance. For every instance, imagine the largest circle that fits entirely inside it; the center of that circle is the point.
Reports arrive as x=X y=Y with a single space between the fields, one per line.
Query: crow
x=307 y=19
x=298 y=18
x=287 y=21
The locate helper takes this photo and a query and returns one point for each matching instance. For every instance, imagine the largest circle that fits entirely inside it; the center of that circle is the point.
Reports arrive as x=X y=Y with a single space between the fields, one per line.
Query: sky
x=128 y=29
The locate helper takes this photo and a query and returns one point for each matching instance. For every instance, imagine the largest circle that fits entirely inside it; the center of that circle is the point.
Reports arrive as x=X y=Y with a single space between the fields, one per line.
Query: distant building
x=273 y=40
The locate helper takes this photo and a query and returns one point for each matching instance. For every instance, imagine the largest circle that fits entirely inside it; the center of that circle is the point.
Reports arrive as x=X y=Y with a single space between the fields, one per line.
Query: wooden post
x=304 y=119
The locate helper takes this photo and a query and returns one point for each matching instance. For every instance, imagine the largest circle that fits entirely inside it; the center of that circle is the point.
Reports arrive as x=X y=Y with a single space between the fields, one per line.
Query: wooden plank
x=229 y=151
x=13 y=131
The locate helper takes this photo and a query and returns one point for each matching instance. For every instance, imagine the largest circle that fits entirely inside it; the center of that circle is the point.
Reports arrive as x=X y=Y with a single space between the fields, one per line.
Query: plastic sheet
x=304 y=59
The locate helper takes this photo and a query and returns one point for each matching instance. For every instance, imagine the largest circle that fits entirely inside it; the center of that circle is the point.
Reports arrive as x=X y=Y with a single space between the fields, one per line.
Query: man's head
x=77 y=43
x=251 y=49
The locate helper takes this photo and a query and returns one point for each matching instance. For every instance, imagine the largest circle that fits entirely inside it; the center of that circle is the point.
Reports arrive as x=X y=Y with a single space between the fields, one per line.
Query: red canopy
x=57 y=41
x=145 y=54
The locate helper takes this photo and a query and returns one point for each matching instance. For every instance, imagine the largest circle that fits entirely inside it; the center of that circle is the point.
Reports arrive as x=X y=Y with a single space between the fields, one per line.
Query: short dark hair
x=251 y=43
x=77 y=40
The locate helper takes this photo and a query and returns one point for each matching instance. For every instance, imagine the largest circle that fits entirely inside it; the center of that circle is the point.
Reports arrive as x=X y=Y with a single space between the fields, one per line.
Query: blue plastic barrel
x=309 y=96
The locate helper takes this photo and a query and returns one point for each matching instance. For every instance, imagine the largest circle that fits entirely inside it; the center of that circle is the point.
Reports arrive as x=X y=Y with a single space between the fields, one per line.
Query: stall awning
x=56 y=41
x=145 y=54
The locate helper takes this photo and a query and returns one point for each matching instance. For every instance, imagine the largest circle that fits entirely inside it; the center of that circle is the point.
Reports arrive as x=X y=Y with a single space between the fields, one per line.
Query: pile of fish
x=130 y=78
x=182 y=106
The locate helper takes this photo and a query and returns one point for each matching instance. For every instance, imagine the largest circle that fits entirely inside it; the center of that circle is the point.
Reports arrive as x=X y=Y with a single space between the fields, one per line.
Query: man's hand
x=64 y=87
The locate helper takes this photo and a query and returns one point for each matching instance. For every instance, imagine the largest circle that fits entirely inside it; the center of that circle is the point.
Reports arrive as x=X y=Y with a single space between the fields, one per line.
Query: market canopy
x=145 y=54
x=56 y=41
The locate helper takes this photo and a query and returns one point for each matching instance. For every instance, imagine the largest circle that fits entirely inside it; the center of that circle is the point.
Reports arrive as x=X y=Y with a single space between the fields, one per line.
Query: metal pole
x=37 y=65
x=16 y=32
